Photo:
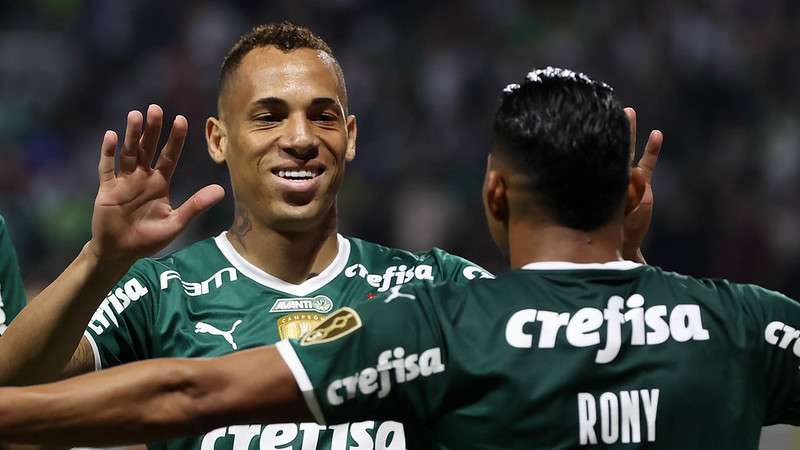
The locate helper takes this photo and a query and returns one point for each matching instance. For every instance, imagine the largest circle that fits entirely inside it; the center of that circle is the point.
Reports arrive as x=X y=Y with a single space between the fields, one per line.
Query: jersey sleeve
x=12 y=290
x=778 y=337
x=119 y=331
x=457 y=269
x=383 y=360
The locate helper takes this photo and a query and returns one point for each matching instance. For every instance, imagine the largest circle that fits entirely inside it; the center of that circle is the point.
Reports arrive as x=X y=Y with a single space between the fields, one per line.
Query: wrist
x=633 y=253
x=97 y=261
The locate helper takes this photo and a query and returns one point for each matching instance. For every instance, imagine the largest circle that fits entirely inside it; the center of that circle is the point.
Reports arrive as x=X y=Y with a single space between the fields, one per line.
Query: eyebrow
x=279 y=102
x=324 y=101
x=268 y=102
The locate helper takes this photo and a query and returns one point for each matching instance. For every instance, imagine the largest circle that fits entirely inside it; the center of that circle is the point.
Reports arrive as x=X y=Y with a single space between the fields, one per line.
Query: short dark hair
x=285 y=36
x=570 y=137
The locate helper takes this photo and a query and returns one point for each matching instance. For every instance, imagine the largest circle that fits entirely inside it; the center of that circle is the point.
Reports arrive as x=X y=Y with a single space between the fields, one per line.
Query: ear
x=636 y=189
x=352 y=132
x=495 y=195
x=217 y=139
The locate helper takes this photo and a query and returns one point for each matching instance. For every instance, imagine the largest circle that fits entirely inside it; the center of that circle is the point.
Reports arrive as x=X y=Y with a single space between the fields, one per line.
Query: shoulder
x=200 y=259
x=433 y=265
x=717 y=287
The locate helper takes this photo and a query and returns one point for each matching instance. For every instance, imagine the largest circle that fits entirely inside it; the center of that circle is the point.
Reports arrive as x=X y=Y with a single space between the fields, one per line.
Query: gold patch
x=342 y=322
x=295 y=325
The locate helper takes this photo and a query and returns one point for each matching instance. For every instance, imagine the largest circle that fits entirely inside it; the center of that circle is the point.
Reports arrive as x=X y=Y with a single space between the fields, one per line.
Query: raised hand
x=637 y=222
x=132 y=213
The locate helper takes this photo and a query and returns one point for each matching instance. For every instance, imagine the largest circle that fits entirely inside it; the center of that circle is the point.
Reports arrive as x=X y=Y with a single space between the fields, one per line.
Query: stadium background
x=719 y=79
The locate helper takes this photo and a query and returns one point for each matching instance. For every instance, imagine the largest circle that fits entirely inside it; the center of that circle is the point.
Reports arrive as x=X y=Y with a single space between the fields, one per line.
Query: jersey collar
x=565 y=265
x=256 y=274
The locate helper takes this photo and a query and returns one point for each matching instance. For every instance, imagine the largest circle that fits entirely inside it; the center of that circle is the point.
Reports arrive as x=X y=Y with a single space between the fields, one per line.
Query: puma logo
x=395 y=294
x=202 y=327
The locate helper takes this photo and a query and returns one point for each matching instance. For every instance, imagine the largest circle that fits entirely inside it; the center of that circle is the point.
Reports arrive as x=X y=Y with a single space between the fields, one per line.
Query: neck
x=529 y=243
x=292 y=256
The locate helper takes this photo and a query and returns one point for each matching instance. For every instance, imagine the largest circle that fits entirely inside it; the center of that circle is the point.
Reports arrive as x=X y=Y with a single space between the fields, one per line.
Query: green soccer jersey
x=206 y=300
x=12 y=291
x=559 y=356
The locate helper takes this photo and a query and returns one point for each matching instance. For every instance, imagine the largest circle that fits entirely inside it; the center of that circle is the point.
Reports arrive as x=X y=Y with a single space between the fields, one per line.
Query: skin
x=158 y=399
x=284 y=111
x=279 y=110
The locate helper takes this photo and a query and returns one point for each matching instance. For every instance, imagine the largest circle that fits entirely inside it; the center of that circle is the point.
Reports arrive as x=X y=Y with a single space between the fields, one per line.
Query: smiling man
x=575 y=347
x=285 y=134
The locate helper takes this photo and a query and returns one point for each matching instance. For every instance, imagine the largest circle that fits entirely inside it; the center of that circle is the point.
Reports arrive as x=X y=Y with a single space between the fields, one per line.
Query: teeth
x=297 y=174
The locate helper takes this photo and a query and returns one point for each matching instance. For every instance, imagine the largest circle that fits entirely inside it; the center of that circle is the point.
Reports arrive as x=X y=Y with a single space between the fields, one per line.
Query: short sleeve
x=457 y=269
x=384 y=360
x=119 y=331
x=778 y=319
x=12 y=290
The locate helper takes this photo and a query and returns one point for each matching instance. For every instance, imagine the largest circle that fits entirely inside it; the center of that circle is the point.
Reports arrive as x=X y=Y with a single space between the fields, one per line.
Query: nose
x=299 y=139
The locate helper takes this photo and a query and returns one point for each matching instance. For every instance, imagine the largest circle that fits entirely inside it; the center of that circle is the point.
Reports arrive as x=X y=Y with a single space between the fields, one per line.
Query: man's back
x=564 y=355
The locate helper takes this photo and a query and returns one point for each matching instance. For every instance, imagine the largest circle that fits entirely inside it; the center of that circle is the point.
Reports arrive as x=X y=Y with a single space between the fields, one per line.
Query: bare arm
x=132 y=218
x=154 y=400
x=42 y=339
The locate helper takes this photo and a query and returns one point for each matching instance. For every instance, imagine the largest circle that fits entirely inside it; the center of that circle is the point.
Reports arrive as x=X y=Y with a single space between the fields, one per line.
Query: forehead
x=297 y=75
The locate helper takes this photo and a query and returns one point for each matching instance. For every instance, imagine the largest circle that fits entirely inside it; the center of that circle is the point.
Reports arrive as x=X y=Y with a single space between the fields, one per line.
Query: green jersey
x=206 y=300
x=12 y=291
x=559 y=356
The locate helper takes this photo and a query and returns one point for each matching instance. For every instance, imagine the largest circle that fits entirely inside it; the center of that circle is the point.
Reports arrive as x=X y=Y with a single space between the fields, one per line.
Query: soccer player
x=12 y=290
x=285 y=133
x=574 y=347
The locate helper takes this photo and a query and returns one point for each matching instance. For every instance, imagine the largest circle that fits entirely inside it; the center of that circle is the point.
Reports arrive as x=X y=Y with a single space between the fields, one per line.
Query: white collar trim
x=564 y=265
x=258 y=275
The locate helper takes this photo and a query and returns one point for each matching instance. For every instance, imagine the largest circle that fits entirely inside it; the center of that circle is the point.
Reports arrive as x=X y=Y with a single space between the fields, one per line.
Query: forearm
x=38 y=344
x=634 y=254
x=153 y=400
x=128 y=404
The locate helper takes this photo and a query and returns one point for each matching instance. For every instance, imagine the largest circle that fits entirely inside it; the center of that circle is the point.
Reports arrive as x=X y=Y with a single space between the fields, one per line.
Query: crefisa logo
x=393 y=276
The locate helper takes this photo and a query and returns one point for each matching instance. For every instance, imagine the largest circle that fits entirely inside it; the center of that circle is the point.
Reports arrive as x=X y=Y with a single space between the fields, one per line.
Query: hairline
x=337 y=69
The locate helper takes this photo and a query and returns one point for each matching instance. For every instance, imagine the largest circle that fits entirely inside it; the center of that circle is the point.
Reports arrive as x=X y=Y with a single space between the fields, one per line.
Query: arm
x=154 y=400
x=637 y=222
x=132 y=218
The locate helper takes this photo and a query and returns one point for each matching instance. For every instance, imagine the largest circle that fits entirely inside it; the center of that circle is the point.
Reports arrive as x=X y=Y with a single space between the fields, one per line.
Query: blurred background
x=718 y=77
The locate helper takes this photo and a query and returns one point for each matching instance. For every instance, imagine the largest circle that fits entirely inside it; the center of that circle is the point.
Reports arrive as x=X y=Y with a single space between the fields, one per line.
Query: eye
x=267 y=118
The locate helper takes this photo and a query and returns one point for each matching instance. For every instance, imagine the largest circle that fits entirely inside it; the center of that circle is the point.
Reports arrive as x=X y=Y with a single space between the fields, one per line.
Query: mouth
x=298 y=175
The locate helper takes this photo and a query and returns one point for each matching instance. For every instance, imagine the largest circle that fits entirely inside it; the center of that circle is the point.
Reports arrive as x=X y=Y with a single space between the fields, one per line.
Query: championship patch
x=320 y=304
x=295 y=325
x=342 y=322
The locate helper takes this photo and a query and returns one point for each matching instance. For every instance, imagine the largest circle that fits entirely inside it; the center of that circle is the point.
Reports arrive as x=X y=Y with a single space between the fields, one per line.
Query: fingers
x=631 y=114
x=201 y=200
x=130 y=147
x=105 y=168
x=172 y=149
x=152 y=131
x=650 y=157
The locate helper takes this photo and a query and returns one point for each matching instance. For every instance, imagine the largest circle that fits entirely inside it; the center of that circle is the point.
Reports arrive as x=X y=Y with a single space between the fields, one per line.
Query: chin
x=301 y=217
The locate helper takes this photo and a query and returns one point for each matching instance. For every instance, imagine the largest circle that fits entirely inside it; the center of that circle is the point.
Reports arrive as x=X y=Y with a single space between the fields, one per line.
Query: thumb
x=199 y=202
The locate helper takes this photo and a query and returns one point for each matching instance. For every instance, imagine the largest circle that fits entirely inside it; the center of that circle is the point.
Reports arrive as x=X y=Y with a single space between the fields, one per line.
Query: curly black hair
x=570 y=137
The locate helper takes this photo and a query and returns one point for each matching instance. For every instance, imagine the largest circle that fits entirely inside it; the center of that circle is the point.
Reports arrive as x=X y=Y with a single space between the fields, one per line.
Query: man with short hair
x=285 y=134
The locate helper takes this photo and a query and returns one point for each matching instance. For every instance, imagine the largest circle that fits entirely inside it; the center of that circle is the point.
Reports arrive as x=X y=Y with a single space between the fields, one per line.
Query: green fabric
x=187 y=303
x=12 y=290
x=558 y=359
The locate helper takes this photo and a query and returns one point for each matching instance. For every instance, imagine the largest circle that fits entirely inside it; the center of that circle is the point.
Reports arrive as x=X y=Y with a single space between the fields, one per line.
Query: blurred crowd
x=720 y=80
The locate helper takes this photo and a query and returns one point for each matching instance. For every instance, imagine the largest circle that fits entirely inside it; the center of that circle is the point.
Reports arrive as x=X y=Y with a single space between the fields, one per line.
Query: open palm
x=132 y=213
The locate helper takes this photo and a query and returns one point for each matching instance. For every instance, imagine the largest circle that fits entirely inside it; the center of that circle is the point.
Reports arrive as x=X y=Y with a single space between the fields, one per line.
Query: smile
x=298 y=175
